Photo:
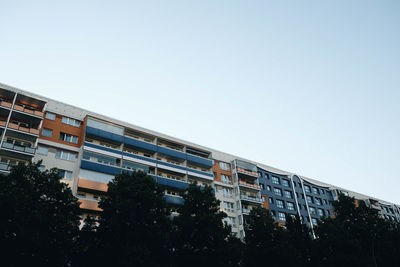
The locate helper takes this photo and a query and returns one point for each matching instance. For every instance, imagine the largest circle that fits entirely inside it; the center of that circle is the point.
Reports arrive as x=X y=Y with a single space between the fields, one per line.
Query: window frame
x=51 y=116
x=47 y=129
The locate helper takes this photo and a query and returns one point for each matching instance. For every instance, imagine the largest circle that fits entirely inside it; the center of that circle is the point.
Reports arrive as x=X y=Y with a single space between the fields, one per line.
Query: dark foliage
x=134 y=226
x=39 y=226
x=39 y=218
x=200 y=237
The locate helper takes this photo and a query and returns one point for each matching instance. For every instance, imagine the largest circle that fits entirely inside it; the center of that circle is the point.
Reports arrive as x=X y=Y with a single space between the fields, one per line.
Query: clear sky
x=310 y=87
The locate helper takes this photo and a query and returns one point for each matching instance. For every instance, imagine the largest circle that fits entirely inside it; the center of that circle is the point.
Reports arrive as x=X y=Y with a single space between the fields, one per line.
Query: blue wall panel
x=141 y=144
x=89 y=165
x=104 y=134
x=199 y=160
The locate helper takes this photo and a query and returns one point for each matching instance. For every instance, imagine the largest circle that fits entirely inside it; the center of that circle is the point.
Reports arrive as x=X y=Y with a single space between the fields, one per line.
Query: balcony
x=16 y=126
x=87 y=204
x=170 y=182
x=5 y=104
x=200 y=174
x=246 y=211
x=171 y=165
x=19 y=148
x=104 y=134
x=102 y=149
x=247 y=172
x=92 y=185
x=175 y=200
x=171 y=152
x=251 y=199
x=5 y=167
x=140 y=144
x=139 y=159
x=99 y=167
x=199 y=160
x=28 y=110
x=249 y=186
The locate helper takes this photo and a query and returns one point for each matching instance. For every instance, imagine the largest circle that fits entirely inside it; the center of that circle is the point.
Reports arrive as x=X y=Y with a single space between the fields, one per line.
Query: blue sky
x=310 y=87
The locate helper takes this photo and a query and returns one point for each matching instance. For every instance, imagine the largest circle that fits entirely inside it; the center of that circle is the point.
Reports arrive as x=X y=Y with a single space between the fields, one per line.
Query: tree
x=200 y=236
x=39 y=218
x=357 y=236
x=297 y=243
x=134 y=224
x=261 y=238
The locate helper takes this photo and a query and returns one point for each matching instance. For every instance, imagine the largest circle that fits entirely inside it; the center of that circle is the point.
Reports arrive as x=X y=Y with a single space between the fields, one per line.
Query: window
x=227 y=192
x=312 y=211
x=268 y=188
x=288 y=194
x=325 y=202
x=50 y=116
x=309 y=200
x=47 y=132
x=290 y=205
x=62 y=154
x=67 y=175
x=230 y=221
x=71 y=122
x=225 y=179
x=314 y=221
x=322 y=191
x=279 y=204
x=315 y=190
x=42 y=150
x=307 y=189
x=282 y=216
x=275 y=180
x=68 y=138
x=224 y=166
x=271 y=200
x=318 y=201
x=228 y=206
x=285 y=182
x=277 y=191
x=321 y=212
x=262 y=186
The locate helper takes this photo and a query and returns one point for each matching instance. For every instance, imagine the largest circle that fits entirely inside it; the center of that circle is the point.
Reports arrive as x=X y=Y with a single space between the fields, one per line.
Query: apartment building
x=90 y=149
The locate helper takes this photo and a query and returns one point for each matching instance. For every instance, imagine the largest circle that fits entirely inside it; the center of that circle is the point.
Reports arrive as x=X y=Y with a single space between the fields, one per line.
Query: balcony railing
x=251 y=198
x=255 y=186
x=19 y=148
x=5 y=104
x=24 y=129
x=4 y=166
x=27 y=109
x=247 y=172
x=245 y=211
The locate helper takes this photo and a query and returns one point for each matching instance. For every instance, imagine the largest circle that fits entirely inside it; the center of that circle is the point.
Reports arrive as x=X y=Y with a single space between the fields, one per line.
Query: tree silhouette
x=134 y=224
x=39 y=218
x=200 y=236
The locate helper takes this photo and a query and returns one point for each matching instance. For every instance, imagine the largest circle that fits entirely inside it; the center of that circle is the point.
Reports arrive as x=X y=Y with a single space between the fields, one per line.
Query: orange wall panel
x=88 y=184
x=89 y=205
x=57 y=126
x=265 y=205
x=218 y=172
